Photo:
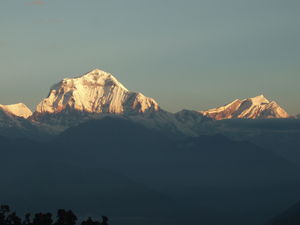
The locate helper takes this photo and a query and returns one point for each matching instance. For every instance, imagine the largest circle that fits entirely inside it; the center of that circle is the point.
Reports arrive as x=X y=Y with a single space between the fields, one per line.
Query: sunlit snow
x=257 y=107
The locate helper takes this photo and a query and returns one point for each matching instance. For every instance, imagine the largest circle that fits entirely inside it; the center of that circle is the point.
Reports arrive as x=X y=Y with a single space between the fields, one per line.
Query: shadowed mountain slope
x=290 y=216
x=209 y=164
x=238 y=179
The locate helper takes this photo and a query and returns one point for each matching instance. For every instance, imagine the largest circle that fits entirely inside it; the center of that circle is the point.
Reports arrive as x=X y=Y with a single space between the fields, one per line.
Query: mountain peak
x=95 y=77
x=250 y=108
x=19 y=110
x=96 y=92
x=89 y=92
x=260 y=99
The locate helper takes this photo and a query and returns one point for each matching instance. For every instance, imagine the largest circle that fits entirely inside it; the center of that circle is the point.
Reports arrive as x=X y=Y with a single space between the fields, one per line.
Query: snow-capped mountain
x=97 y=94
x=12 y=116
x=94 y=92
x=15 y=122
x=251 y=108
x=19 y=110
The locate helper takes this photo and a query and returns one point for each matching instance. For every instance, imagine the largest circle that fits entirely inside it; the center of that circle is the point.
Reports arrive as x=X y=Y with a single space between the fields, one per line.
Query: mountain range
x=97 y=94
x=94 y=146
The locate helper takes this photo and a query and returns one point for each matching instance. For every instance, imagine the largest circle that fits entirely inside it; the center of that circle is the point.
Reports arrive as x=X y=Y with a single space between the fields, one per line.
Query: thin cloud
x=1 y=44
x=35 y=3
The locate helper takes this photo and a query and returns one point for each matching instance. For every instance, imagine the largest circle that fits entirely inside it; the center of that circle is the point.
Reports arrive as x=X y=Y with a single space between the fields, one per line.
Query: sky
x=185 y=54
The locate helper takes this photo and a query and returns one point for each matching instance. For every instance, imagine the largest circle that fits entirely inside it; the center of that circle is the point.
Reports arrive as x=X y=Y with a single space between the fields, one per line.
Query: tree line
x=63 y=218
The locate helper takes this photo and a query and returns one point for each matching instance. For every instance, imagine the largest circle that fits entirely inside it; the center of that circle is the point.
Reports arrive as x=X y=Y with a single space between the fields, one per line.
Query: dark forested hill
x=126 y=171
x=291 y=216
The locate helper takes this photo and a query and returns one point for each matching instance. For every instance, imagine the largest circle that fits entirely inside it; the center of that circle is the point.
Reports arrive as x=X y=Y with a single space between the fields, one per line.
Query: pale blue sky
x=185 y=54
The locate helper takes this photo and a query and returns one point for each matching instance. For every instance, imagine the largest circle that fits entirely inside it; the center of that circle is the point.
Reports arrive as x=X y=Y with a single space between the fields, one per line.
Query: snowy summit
x=19 y=110
x=257 y=107
x=94 y=92
x=98 y=94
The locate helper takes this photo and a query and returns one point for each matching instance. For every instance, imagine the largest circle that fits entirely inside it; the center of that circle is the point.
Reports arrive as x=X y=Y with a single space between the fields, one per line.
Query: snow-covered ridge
x=98 y=94
x=94 y=92
x=19 y=110
x=257 y=107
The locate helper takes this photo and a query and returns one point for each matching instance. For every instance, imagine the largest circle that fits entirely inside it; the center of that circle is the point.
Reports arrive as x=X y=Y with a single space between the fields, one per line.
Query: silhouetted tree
x=89 y=221
x=42 y=219
x=65 y=217
x=13 y=219
x=104 y=220
x=4 y=209
x=27 y=219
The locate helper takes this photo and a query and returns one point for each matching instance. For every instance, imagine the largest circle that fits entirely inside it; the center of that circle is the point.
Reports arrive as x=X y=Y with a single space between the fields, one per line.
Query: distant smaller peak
x=19 y=109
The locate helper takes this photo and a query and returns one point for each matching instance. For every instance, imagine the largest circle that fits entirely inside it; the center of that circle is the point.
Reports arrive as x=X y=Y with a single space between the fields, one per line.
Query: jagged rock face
x=251 y=108
x=19 y=110
x=96 y=92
